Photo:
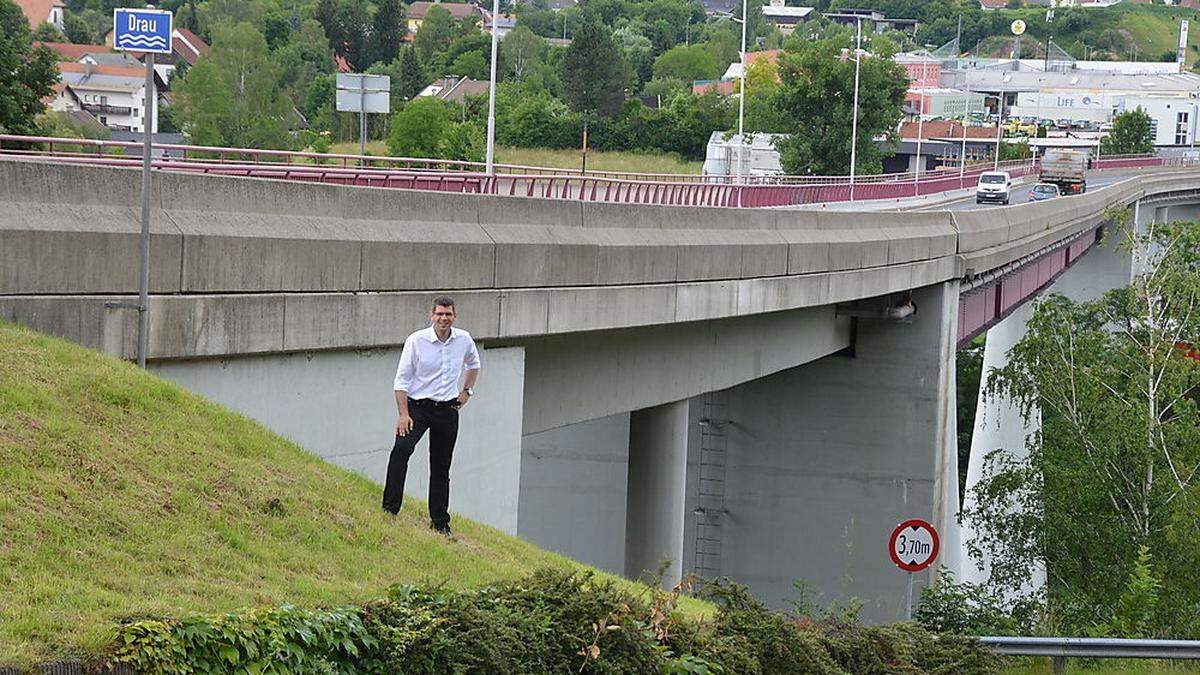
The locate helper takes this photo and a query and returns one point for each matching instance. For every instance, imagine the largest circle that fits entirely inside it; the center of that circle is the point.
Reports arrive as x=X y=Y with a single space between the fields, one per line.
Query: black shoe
x=444 y=530
x=391 y=510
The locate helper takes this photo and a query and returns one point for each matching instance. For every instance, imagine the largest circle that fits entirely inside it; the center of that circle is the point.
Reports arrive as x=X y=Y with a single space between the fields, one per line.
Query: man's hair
x=443 y=301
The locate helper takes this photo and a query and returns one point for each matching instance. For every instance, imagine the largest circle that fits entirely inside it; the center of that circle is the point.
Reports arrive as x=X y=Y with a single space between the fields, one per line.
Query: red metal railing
x=517 y=180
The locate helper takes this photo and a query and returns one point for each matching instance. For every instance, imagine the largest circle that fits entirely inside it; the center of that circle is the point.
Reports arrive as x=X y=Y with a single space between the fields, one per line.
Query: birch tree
x=1114 y=468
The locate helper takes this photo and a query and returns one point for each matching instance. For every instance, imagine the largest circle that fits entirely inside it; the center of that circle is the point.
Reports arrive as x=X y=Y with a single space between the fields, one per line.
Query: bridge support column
x=573 y=490
x=823 y=460
x=999 y=423
x=660 y=441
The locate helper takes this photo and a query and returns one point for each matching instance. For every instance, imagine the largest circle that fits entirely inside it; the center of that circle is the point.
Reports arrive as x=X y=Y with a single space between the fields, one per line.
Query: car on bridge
x=993 y=186
x=1044 y=191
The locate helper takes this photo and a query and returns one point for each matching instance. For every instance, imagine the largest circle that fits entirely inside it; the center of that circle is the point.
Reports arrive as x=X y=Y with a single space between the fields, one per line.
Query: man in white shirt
x=428 y=397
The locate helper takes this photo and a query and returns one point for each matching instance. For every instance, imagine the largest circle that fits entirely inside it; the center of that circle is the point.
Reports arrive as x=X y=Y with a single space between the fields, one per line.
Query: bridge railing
x=518 y=180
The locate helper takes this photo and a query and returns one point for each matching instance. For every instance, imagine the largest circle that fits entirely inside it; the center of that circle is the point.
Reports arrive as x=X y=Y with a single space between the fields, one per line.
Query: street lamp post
x=920 y=134
x=491 y=128
x=742 y=108
x=854 y=118
x=962 y=153
x=999 y=129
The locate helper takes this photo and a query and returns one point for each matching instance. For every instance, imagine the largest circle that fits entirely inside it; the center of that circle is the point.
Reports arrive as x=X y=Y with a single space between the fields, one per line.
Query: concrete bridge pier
x=818 y=463
x=661 y=441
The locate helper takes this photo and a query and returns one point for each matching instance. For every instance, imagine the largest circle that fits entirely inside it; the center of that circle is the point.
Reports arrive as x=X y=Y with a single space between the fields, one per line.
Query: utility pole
x=742 y=108
x=854 y=118
x=491 y=127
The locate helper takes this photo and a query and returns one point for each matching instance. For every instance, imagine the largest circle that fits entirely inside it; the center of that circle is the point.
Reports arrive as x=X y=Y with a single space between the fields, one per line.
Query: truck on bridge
x=1065 y=168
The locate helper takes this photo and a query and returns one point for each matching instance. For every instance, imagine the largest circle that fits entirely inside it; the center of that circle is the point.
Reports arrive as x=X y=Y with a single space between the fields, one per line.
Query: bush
x=550 y=622
x=964 y=608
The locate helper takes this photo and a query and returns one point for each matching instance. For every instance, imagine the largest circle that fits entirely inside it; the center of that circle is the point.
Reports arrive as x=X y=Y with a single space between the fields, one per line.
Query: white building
x=1173 y=120
x=115 y=95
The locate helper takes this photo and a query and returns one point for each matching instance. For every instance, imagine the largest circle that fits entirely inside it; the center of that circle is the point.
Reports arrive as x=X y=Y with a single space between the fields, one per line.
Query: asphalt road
x=1020 y=194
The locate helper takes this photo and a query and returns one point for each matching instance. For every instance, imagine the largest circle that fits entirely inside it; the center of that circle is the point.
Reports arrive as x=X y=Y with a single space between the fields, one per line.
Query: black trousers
x=442 y=423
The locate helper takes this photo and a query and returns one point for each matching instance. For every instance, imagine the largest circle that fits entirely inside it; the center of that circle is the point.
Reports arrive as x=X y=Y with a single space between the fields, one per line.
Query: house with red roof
x=39 y=12
x=186 y=46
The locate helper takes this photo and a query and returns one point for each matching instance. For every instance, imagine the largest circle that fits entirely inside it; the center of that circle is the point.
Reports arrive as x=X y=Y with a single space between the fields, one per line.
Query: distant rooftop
x=1011 y=81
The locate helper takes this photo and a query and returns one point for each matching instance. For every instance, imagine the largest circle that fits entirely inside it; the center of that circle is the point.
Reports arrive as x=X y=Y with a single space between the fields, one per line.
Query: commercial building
x=944 y=103
x=1089 y=93
x=1173 y=120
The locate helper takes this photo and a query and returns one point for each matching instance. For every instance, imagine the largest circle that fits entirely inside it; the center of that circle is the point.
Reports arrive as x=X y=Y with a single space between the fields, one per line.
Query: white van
x=993 y=186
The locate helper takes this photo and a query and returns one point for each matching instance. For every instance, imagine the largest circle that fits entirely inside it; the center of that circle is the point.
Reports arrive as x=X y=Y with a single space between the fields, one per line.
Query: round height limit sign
x=914 y=545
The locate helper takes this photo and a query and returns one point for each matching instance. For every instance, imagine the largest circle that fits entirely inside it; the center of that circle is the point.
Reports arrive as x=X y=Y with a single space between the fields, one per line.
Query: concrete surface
x=573 y=491
x=659 y=440
x=823 y=460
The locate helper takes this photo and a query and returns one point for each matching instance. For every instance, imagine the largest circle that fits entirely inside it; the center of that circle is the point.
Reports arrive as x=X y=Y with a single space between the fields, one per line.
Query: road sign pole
x=908 y=605
x=144 y=276
x=362 y=124
x=147 y=31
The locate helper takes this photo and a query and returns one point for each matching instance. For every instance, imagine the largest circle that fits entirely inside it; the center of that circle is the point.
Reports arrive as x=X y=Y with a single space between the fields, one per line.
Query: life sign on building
x=142 y=30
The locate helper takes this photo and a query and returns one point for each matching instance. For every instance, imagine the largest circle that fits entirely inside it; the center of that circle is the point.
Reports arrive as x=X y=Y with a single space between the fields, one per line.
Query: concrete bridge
x=725 y=389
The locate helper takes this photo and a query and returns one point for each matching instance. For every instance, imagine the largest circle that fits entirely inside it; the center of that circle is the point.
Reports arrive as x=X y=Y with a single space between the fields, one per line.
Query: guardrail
x=1062 y=648
x=518 y=180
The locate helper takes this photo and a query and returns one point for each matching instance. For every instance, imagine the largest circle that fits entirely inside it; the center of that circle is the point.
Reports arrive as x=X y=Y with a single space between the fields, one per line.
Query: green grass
x=1154 y=28
x=124 y=495
x=633 y=162
x=1043 y=666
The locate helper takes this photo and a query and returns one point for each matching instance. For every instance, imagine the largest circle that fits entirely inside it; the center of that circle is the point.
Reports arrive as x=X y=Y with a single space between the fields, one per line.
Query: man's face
x=442 y=317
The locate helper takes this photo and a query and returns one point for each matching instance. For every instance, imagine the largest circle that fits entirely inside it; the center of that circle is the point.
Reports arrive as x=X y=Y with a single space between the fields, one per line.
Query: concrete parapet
x=238 y=235
x=85 y=320
x=72 y=248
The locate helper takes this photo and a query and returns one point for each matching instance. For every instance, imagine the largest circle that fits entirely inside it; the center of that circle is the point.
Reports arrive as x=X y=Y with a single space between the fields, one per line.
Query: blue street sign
x=142 y=30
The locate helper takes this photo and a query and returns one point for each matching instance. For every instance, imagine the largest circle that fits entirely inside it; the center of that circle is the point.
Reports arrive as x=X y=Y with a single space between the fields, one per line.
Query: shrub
x=549 y=622
x=282 y=640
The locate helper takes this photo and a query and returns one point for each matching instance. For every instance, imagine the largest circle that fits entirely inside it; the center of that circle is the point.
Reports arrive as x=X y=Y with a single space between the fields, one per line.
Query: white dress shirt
x=430 y=368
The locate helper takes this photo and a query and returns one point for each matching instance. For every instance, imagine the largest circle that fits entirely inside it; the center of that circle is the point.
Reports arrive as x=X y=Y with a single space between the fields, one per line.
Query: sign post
x=913 y=546
x=148 y=31
x=1018 y=29
x=363 y=94
x=1181 y=52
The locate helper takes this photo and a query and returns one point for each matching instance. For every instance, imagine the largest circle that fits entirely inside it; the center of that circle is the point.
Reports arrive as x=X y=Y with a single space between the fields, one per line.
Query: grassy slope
x=125 y=495
x=1154 y=28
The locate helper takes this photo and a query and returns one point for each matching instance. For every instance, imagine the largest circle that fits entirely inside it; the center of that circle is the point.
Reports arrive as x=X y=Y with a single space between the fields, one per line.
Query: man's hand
x=404 y=425
x=463 y=397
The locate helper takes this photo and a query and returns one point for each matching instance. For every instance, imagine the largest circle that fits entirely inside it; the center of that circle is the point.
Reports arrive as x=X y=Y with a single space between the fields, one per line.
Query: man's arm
x=404 y=375
x=471 y=362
